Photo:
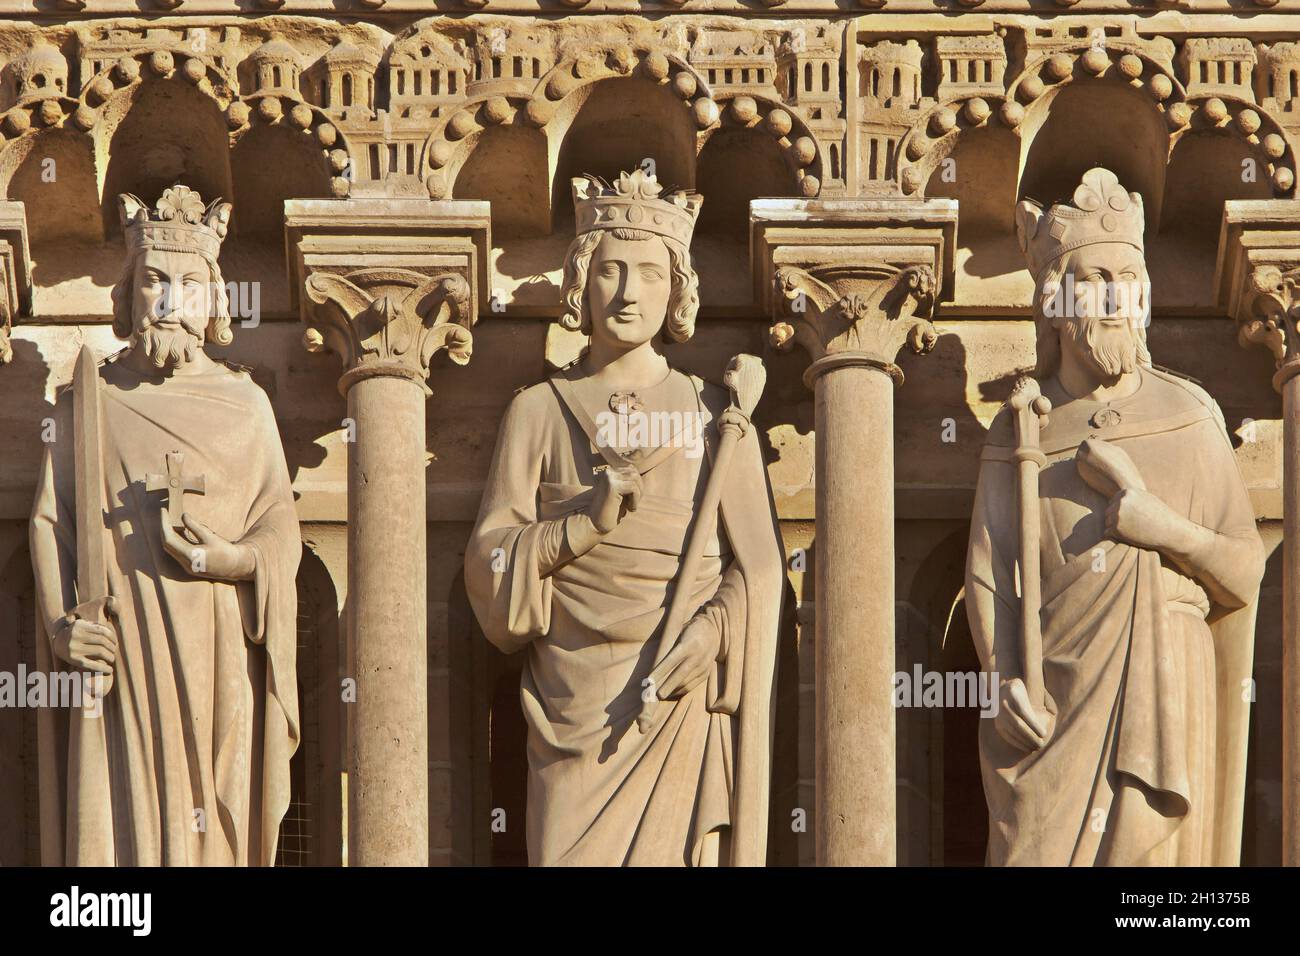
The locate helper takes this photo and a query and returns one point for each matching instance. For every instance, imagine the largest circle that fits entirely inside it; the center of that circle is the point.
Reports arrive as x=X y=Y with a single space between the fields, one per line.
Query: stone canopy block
x=836 y=239
x=1257 y=276
x=853 y=280
x=417 y=235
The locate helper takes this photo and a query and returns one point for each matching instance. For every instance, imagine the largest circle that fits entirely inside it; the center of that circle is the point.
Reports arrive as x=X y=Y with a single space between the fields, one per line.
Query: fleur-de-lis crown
x=634 y=201
x=1103 y=211
x=179 y=222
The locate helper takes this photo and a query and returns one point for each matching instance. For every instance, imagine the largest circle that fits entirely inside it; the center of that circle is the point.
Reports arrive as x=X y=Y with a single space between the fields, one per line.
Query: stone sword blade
x=92 y=565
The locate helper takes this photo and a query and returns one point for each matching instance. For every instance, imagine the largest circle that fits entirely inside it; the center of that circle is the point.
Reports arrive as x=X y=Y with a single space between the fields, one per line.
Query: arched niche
x=507 y=167
x=270 y=164
x=983 y=159
x=1094 y=123
x=979 y=173
x=620 y=124
x=311 y=833
x=158 y=133
x=736 y=165
x=52 y=173
x=1205 y=170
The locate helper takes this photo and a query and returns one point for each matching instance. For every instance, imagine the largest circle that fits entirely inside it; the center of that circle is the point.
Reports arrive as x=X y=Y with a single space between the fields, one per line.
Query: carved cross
x=175 y=484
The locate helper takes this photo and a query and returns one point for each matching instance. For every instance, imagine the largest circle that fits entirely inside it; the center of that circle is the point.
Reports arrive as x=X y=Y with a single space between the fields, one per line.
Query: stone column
x=15 y=273
x=852 y=281
x=385 y=286
x=1258 y=280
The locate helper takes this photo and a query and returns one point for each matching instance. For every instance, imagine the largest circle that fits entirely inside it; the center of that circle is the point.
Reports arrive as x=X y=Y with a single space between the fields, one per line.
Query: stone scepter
x=745 y=376
x=1029 y=407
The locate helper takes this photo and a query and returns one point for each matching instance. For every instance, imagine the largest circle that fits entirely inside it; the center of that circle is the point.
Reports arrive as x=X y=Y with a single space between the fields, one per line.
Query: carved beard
x=1113 y=351
x=168 y=348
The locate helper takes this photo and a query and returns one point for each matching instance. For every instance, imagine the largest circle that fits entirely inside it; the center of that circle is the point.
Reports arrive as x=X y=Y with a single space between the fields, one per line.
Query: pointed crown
x=1102 y=212
x=634 y=202
x=178 y=223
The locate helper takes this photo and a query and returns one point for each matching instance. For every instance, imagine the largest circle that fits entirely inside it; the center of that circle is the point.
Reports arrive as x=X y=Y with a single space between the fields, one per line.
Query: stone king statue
x=165 y=499
x=581 y=536
x=1112 y=593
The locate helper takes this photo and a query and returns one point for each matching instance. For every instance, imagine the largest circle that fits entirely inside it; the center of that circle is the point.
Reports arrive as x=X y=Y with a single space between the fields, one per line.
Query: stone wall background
x=1192 y=103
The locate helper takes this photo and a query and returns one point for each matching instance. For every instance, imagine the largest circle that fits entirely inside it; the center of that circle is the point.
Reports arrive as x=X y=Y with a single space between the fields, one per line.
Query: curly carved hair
x=683 y=300
x=218 y=330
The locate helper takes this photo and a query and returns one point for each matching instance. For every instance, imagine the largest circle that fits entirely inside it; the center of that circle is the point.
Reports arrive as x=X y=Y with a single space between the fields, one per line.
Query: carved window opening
x=451 y=82
x=347 y=89
x=392 y=160
x=807 y=78
x=410 y=159
x=374 y=160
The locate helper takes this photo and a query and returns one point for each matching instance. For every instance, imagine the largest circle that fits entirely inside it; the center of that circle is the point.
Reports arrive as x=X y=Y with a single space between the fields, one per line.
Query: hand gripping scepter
x=745 y=376
x=1030 y=408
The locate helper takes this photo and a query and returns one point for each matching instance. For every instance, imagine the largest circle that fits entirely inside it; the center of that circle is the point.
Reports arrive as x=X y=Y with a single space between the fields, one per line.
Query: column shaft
x=855 y=617
x=388 y=790
x=1291 y=622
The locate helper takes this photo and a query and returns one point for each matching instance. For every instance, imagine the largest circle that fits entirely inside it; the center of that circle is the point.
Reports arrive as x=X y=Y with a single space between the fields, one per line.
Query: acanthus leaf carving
x=1273 y=316
x=389 y=321
x=896 y=312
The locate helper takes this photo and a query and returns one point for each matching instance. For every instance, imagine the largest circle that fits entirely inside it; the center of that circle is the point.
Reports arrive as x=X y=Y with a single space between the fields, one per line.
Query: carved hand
x=1107 y=468
x=206 y=554
x=615 y=488
x=1141 y=519
x=1017 y=722
x=688 y=662
x=84 y=644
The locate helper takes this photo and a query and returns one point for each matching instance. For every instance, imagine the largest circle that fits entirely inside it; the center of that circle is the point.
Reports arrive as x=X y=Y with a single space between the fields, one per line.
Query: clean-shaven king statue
x=189 y=762
x=1148 y=553
x=576 y=554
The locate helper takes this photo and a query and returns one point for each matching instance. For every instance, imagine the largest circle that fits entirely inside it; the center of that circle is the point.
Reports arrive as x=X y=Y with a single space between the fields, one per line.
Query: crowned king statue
x=584 y=540
x=165 y=545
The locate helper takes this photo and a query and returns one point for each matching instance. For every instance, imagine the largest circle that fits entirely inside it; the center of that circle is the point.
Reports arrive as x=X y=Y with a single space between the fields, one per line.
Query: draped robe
x=191 y=763
x=600 y=792
x=1144 y=765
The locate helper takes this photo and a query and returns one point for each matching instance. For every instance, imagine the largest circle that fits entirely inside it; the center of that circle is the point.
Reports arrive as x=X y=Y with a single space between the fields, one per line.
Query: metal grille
x=297 y=831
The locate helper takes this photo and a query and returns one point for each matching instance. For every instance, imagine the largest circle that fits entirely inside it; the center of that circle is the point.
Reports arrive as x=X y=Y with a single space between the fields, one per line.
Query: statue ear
x=130 y=209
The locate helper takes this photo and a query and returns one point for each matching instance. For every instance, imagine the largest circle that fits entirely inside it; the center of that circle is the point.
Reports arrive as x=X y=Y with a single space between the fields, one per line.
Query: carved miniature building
x=837 y=152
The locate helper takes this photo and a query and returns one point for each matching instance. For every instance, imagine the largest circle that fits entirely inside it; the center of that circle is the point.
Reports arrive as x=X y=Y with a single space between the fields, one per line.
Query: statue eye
x=649 y=272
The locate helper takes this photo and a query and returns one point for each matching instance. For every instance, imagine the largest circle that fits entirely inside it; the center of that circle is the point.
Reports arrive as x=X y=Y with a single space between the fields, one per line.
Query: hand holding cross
x=176 y=484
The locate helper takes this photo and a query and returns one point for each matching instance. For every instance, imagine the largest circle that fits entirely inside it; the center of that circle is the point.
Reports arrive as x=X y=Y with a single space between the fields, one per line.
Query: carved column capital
x=15 y=273
x=388 y=321
x=385 y=284
x=852 y=281
x=1257 y=278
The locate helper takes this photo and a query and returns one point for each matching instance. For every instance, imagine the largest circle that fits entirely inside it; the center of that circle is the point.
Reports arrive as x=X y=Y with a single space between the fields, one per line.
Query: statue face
x=1101 y=304
x=172 y=305
x=629 y=283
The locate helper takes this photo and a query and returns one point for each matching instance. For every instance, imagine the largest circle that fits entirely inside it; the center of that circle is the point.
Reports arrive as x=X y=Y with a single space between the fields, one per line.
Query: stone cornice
x=383 y=10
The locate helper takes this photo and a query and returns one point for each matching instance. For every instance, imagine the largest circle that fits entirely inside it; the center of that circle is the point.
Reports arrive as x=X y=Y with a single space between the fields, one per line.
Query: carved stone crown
x=1102 y=212
x=178 y=223
x=633 y=202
